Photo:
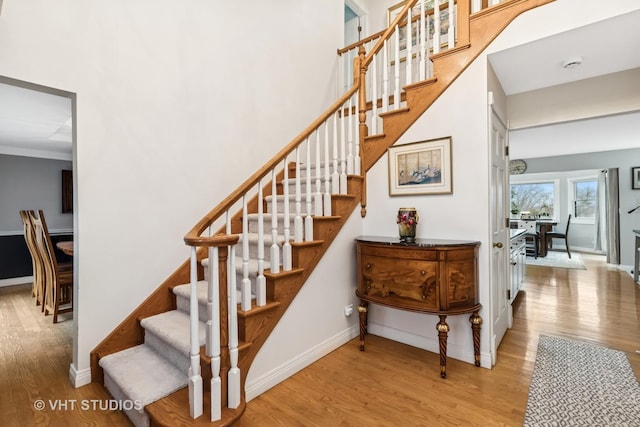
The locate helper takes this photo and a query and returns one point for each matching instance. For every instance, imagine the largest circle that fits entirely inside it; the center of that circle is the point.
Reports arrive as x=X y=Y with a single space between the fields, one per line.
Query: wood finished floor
x=390 y=384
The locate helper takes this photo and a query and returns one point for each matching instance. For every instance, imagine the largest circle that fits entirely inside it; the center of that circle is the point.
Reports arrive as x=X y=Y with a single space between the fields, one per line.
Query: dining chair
x=58 y=294
x=532 y=237
x=557 y=235
x=37 y=289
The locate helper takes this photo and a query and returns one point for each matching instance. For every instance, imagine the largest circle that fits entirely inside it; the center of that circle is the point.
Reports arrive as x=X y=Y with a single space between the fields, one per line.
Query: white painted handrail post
x=436 y=26
x=287 y=258
x=396 y=70
x=374 y=95
x=274 y=258
x=317 y=199
x=350 y=144
x=326 y=201
x=385 y=77
x=233 y=376
x=298 y=230
x=343 y=160
x=261 y=281
x=308 y=219
x=335 y=175
x=451 y=31
x=195 y=379
x=409 y=61
x=213 y=333
x=357 y=165
x=422 y=33
x=245 y=286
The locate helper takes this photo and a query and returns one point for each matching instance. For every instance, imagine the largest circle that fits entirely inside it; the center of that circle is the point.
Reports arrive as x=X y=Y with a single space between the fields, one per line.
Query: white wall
x=177 y=103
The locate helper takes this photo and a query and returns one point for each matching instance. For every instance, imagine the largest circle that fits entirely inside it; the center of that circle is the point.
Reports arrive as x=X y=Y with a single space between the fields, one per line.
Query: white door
x=501 y=314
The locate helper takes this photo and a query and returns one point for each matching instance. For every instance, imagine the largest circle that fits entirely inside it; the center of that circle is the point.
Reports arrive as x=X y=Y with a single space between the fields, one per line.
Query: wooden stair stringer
x=448 y=65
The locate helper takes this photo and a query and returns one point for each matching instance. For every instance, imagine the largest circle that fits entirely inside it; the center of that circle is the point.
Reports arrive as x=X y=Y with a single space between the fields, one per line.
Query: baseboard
x=284 y=371
x=464 y=354
x=16 y=281
x=79 y=378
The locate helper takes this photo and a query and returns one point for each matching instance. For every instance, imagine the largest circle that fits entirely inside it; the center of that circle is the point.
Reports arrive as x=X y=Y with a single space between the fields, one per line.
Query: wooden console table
x=429 y=276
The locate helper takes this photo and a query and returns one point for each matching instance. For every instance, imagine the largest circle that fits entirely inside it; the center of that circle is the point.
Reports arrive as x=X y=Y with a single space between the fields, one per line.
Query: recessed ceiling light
x=572 y=63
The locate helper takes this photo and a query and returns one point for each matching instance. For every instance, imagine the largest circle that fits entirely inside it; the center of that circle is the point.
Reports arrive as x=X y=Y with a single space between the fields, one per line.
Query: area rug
x=558 y=259
x=581 y=384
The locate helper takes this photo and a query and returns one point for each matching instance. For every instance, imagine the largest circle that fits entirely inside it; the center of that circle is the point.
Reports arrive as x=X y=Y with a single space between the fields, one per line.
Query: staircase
x=171 y=366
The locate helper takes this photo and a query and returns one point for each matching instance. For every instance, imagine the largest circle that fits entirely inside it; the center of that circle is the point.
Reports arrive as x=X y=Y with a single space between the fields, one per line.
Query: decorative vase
x=407 y=220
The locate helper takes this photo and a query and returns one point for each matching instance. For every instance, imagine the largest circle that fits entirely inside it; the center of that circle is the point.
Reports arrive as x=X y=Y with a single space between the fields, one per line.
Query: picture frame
x=394 y=10
x=423 y=167
x=635 y=178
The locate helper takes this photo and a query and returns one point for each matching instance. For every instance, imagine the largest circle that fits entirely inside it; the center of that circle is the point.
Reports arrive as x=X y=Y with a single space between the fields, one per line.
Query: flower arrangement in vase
x=407 y=220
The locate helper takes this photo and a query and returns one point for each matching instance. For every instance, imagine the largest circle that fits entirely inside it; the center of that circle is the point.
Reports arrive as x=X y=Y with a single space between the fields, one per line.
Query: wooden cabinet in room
x=433 y=276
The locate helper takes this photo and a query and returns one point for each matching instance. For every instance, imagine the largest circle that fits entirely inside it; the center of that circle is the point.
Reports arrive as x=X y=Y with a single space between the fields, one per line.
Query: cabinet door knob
x=368 y=267
x=497 y=245
x=423 y=272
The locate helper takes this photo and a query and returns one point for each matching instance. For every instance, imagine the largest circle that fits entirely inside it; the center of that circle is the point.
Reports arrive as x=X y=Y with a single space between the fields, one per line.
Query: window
x=584 y=198
x=537 y=198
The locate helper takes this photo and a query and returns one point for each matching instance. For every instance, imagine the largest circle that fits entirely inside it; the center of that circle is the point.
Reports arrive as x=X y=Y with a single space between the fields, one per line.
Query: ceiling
x=604 y=47
x=38 y=124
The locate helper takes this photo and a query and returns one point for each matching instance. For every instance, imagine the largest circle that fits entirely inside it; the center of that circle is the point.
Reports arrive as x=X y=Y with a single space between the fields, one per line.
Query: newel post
x=362 y=128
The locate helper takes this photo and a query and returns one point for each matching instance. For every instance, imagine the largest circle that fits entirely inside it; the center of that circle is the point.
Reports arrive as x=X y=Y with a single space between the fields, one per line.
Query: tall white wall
x=177 y=103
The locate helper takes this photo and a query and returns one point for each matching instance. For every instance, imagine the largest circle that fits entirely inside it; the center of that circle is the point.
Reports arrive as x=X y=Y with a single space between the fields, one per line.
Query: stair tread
x=184 y=291
x=173 y=328
x=143 y=374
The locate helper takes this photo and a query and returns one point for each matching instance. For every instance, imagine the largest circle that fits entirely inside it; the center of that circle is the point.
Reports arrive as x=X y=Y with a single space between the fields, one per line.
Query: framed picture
x=635 y=178
x=394 y=10
x=421 y=168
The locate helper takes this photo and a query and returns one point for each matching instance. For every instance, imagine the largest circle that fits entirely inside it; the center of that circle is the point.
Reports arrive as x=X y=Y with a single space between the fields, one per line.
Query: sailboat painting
x=420 y=168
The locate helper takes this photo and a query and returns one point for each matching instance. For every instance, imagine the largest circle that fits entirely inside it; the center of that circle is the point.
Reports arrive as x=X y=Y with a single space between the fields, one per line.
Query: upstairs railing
x=298 y=183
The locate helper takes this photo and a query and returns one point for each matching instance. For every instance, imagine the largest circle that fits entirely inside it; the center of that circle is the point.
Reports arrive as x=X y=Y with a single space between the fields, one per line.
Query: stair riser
x=138 y=418
x=178 y=359
x=292 y=205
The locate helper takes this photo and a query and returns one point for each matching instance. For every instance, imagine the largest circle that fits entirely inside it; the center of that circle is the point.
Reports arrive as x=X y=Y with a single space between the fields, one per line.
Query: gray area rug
x=580 y=384
x=558 y=259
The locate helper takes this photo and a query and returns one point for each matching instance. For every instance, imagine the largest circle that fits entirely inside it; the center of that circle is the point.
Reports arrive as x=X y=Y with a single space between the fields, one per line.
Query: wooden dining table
x=66 y=247
x=544 y=226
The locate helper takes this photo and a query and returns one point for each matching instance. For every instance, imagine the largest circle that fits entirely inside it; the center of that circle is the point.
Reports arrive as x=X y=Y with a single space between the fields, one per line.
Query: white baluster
x=429 y=64
x=195 y=379
x=275 y=249
x=297 y=222
x=350 y=145
x=385 y=78
x=261 y=281
x=245 y=286
x=396 y=70
x=356 y=159
x=308 y=219
x=423 y=43
x=317 y=199
x=408 y=76
x=436 y=26
x=451 y=31
x=326 y=201
x=343 y=160
x=286 y=246
x=476 y=5
x=233 y=376
x=374 y=96
x=213 y=333
x=335 y=175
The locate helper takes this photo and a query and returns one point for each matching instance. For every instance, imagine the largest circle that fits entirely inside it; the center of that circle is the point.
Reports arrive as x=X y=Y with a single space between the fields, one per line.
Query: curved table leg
x=362 y=312
x=443 y=331
x=476 y=322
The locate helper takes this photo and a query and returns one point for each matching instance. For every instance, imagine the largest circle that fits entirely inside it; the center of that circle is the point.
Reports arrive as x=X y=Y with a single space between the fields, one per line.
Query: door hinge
x=507 y=222
x=509 y=294
x=506 y=150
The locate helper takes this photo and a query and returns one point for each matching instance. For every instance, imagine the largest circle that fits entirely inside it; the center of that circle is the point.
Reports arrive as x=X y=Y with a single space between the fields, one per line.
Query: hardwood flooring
x=390 y=384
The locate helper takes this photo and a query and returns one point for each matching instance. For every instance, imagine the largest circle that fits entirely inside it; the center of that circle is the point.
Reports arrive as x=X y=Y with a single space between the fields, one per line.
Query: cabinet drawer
x=415 y=280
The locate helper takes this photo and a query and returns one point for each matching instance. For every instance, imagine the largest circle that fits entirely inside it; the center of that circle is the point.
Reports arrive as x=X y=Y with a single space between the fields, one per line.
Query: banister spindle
x=213 y=332
x=308 y=219
x=297 y=222
x=233 y=376
x=385 y=77
x=245 y=286
x=350 y=144
x=274 y=257
x=261 y=281
x=343 y=160
x=287 y=258
x=436 y=26
x=374 y=95
x=422 y=34
x=335 y=175
x=451 y=31
x=409 y=60
x=396 y=70
x=317 y=199
x=326 y=201
x=195 y=379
